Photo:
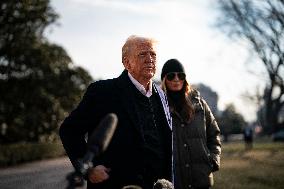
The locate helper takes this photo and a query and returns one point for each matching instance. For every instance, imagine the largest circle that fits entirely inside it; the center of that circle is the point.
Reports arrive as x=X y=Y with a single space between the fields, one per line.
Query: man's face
x=141 y=62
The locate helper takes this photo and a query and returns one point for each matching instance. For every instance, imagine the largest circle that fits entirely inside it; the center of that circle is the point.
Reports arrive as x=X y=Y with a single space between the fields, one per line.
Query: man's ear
x=126 y=63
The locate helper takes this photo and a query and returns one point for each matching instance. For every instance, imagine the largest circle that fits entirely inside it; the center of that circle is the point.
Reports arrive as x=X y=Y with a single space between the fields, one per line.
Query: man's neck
x=145 y=84
x=143 y=81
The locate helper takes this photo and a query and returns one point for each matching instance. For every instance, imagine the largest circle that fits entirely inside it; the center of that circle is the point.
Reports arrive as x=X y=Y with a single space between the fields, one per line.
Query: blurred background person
x=248 y=137
x=196 y=134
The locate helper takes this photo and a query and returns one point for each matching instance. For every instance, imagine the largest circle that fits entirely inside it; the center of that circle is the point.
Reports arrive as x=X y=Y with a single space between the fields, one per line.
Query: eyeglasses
x=171 y=76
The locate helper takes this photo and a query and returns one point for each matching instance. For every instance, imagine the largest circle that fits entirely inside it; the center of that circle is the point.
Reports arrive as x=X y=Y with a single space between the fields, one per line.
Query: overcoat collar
x=125 y=86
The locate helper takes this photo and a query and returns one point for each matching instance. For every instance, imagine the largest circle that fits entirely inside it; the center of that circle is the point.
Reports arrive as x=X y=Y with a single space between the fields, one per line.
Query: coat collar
x=125 y=86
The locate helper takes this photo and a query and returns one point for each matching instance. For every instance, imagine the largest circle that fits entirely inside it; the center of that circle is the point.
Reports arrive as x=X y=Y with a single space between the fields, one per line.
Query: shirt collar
x=141 y=87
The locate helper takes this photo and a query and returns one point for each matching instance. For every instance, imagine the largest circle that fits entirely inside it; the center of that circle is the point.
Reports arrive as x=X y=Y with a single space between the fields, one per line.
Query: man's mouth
x=150 y=67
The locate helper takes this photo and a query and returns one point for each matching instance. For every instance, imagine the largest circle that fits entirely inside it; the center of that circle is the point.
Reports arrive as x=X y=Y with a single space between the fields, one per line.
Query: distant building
x=209 y=95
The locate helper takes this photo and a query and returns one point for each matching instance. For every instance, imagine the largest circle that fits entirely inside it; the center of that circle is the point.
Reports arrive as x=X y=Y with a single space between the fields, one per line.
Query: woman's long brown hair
x=186 y=109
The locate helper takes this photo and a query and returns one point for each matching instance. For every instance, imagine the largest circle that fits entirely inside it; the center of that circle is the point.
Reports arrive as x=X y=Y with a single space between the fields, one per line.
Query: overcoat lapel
x=128 y=103
x=164 y=102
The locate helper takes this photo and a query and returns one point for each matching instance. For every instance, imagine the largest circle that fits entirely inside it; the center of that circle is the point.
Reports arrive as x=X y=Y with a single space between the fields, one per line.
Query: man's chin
x=150 y=75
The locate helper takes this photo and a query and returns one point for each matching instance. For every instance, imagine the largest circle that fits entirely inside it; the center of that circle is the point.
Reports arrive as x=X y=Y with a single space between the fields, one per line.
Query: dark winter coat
x=124 y=155
x=197 y=146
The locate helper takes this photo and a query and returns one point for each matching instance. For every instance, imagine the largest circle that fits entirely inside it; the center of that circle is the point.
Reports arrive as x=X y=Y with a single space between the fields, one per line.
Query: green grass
x=259 y=168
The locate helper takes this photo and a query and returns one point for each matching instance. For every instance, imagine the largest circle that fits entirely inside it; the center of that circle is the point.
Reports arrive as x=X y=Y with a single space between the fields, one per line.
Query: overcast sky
x=93 y=32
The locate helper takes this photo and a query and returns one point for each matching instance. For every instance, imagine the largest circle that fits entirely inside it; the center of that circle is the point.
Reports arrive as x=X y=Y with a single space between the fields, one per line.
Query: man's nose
x=150 y=57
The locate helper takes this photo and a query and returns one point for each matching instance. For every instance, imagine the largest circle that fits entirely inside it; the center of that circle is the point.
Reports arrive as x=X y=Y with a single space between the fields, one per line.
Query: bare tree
x=261 y=24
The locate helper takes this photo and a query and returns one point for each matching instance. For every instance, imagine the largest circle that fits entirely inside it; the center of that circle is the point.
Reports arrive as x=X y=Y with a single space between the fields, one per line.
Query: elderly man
x=140 y=151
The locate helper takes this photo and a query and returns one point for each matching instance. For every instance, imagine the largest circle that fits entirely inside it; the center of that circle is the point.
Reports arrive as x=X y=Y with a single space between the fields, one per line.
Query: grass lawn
x=259 y=168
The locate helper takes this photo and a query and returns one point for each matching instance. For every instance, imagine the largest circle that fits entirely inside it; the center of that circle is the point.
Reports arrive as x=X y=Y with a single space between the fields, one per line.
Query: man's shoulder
x=103 y=84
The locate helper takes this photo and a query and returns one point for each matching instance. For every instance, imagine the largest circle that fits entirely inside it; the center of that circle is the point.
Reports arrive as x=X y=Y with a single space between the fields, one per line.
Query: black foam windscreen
x=101 y=137
x=98 y=142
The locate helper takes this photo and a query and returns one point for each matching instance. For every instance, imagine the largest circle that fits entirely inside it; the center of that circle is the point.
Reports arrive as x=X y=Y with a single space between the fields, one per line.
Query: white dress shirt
x=141 y=87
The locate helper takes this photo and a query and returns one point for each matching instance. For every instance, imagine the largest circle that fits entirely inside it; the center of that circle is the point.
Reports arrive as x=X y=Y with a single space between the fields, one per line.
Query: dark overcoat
x=124 y=154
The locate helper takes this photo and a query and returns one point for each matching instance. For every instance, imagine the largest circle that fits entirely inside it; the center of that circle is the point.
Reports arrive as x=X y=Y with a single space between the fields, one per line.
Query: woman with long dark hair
x=196 y=134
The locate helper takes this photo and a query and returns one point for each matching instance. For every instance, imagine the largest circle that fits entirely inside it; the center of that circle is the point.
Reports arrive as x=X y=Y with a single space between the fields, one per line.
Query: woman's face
x=175 y=80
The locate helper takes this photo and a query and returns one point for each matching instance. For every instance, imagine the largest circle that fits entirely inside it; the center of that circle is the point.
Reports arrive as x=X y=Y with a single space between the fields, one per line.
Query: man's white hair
x=131 y=41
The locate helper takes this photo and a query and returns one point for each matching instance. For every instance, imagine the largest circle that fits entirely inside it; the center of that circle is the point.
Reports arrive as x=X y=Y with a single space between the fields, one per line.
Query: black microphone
x=163 y=184
x=98 y=142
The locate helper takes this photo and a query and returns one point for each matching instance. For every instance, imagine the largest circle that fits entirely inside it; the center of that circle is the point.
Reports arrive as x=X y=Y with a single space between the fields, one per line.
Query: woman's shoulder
x=197 y=100
x=194 y=94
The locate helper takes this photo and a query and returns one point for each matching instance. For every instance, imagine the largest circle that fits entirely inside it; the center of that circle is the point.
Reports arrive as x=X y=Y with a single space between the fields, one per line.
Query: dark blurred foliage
x=39 y=84
x=230 y=122
x=261 y=25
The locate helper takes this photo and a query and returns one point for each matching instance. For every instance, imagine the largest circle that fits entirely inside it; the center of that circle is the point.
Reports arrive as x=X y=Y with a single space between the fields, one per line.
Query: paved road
x=45 y=174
